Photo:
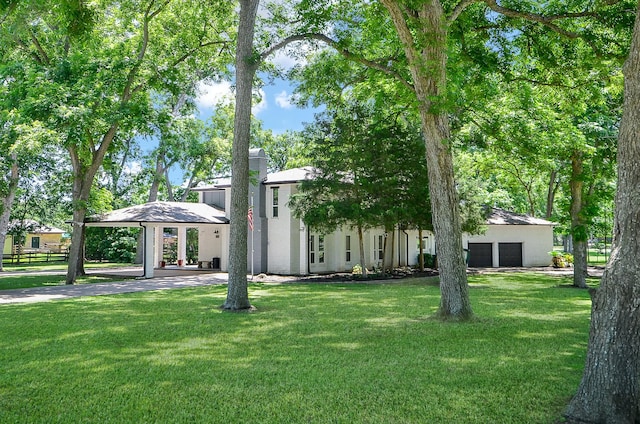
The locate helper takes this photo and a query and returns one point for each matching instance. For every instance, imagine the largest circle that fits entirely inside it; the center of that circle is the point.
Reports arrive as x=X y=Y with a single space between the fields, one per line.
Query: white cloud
x=262 y=105
x=284 y=100
x=212 y=94
x=134 y=168
x=284 y=60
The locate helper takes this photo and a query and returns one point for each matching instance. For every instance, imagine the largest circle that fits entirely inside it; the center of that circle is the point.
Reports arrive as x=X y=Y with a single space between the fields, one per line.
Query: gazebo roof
x=159 y=213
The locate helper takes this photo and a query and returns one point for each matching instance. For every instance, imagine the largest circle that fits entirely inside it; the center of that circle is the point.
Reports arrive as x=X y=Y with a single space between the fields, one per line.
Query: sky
x=275 y=110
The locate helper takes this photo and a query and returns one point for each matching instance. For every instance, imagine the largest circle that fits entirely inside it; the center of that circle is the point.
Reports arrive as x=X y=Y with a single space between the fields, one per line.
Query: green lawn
x=26 y=280
x=312 y=353
x=58 y=266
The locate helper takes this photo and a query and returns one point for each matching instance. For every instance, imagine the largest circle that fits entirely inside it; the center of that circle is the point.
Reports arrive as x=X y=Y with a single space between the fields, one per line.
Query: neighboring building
x=283 y=244
x=42 y=238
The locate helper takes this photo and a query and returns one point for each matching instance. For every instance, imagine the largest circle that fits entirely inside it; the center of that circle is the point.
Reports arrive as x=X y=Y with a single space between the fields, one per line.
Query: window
x=274 y=196
x=321 y=249
x=379 y=247
x=35 y=242
x=316 y=251
x=348 y=248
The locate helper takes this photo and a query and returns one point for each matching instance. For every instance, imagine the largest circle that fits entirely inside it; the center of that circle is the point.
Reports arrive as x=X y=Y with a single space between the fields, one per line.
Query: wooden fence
x=34 y=255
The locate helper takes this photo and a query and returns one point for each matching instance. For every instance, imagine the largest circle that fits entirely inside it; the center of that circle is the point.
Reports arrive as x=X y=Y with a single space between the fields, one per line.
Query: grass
x=26 y=280
x=598 y=257
x=58 y=266
x=8 y=282
x=312 y=353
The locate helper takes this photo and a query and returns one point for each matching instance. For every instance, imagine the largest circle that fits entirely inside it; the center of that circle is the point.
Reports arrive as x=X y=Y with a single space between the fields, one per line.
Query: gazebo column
x=159 y=244
x=149 y=252
x=182 y=246
x=304 y=250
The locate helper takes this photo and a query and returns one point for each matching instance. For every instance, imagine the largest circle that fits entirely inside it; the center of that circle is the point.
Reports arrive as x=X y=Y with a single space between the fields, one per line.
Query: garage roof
x=502 y=217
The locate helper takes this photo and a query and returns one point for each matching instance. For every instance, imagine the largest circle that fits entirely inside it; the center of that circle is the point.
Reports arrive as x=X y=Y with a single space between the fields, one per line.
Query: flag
x=250 y=218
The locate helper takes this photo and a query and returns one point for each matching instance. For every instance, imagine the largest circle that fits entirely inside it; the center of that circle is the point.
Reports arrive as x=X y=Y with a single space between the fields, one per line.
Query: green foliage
x=429 y=260
x=111 y=244
x=369 y=171
x=561 y=259
x=376 y=357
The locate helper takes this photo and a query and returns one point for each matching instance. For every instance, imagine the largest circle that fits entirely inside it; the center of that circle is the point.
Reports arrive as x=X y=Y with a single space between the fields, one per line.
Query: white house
x=282 y=244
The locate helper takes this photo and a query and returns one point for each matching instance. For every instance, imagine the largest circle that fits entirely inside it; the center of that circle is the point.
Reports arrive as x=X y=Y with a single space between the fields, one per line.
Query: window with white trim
x=379 y=247
x=312 y=249
x=321 y=249
x=274 y=201
x=316 y=250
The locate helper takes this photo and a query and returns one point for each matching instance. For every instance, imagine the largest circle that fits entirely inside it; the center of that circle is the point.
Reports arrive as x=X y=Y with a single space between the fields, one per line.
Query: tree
x=95 y=67
x=246 y=66
x=610 y=389
x=368 y=171
x=480 y=37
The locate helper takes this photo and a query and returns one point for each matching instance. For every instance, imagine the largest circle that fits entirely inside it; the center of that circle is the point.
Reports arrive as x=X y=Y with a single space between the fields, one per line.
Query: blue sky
x=275 y=110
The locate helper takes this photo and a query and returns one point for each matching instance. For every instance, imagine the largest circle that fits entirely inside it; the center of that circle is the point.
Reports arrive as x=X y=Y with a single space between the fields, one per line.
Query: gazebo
x=154 y=216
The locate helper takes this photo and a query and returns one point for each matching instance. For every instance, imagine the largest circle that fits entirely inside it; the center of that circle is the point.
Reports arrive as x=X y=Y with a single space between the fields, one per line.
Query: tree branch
x=195 y=49
x=148 y=16
x=547 y=21
x=43 y=55
x=344 y=52
x=460 y=7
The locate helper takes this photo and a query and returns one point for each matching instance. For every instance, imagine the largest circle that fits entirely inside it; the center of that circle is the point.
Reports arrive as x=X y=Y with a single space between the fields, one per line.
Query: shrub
x=429 y=260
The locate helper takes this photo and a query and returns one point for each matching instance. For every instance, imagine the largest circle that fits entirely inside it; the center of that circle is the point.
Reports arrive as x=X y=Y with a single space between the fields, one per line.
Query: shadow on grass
x=314 y=353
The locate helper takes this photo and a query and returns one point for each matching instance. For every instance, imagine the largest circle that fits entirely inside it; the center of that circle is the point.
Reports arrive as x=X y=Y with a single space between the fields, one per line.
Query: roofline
x=282 y=182
x=143 y=223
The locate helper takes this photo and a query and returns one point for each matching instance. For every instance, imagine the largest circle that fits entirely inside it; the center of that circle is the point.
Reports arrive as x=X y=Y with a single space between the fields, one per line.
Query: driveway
x=42 y=294
x=176 y=279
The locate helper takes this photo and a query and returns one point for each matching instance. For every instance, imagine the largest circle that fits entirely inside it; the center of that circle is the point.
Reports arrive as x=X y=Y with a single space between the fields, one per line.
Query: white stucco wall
x=282 y=230
x=288 y=242
x=210 y=244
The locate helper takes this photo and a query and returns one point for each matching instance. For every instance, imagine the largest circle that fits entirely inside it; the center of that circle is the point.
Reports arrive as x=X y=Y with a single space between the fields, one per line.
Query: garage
x=480 y=254
x=510 y=254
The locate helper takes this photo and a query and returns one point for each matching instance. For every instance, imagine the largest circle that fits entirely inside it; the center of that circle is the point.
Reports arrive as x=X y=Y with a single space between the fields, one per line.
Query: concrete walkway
x=42 y=294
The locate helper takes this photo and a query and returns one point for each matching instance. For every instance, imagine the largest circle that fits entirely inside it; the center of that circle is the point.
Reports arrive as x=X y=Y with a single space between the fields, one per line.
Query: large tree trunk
x=363 y=262
x=7 y=201
x=76 y=256
x=427 y=63
x=237 y=293
x=83 y=176
x=609 y=391
x=578 y=224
